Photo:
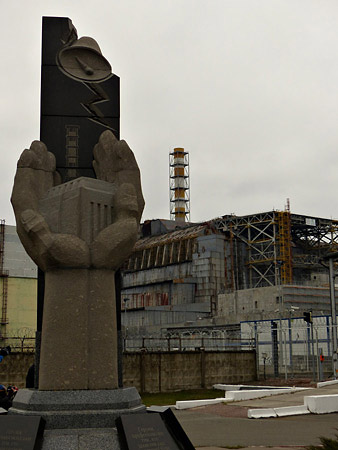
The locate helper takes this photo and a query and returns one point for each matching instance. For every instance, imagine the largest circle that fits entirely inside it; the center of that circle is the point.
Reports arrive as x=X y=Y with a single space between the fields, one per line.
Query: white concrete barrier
x=261 y=413
x=321 y=404
x=237 y=396
x=227 y=387
x=245 y=387
x=326 y=383
x=186 y=404
x=291 y=410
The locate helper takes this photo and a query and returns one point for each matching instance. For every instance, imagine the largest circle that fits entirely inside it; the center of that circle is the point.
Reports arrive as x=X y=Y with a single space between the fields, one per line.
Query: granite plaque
x=145 y=432
x=173 y=426
x=21 y=432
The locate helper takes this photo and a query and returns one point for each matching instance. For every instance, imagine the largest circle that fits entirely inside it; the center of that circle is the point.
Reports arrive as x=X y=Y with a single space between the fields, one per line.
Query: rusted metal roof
x=185 y=233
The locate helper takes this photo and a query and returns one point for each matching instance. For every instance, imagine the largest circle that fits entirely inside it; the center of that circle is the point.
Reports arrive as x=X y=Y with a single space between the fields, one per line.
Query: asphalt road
x=206 y=430
x=214 y=431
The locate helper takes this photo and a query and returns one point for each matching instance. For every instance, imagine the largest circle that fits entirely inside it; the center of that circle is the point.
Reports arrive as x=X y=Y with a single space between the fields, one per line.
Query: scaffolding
x=284 y=238
x=267 y=249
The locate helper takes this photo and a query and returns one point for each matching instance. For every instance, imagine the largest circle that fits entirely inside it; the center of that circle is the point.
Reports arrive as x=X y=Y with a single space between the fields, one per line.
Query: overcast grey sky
x=248 y=87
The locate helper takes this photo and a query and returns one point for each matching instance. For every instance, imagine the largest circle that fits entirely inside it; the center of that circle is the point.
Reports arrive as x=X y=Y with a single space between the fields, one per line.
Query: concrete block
x=227 y=387
x=326 y=383
x=321 y=404
x=187 y=404
x=291 y=410
x=250 y=394
x=261 y=413
x=248 y=387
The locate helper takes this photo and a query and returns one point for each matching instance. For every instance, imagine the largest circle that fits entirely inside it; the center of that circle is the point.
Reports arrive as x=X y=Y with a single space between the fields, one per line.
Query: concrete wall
x=208 y=268
x=268 y=302
x=195 y=282
x=247 y=304
x=13 y=369
x=174 y=371
x=172 y=292
x=149 y=320
x=159 y=372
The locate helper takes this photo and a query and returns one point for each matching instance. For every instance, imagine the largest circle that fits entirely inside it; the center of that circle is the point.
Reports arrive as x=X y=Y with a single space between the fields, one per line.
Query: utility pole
x=307 y=316
x=331 y=257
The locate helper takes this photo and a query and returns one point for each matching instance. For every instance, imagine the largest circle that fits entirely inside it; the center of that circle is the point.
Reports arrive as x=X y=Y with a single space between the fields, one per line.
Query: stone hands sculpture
x=115 y=163
x=79 y=337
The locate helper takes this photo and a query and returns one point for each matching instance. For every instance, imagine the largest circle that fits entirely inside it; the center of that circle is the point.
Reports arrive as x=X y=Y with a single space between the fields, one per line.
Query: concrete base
x=78 y=409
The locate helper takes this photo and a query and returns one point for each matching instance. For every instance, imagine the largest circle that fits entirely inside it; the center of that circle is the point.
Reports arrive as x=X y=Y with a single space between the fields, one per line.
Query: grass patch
x=326 y=444
x=170 y=398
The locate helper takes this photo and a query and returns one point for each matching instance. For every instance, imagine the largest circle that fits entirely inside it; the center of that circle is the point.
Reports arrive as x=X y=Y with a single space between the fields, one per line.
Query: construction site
x=226 y=265
x=230 y=281
x=228 y=269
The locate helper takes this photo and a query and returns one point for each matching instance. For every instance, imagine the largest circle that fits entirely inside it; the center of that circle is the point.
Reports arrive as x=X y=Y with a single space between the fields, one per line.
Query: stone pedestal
x=78 y=420
x=78 y=409
x=79 y=336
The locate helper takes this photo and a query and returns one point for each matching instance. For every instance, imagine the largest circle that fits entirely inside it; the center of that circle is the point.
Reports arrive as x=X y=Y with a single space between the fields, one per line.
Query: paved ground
x=226 y=426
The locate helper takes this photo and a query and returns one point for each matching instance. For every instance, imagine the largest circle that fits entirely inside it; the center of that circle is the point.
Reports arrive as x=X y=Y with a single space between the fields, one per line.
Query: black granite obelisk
x=75 y=110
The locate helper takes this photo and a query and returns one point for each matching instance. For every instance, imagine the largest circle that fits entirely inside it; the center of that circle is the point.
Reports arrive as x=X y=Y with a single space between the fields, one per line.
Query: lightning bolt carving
x=99 y=97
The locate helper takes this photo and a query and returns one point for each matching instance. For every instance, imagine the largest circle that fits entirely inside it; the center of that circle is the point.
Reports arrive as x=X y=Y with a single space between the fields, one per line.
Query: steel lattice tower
x=179 y=185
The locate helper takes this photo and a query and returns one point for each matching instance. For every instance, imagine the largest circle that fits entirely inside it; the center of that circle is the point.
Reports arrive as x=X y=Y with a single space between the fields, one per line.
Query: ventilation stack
x=179 y=185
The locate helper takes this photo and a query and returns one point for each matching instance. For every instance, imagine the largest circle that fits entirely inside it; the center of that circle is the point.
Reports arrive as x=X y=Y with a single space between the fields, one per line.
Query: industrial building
x=231 y=269
x=18 y=287
x=210 y=275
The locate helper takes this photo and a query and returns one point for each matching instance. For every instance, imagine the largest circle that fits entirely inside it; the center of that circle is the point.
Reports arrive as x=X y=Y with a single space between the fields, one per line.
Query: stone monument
x=80 y=98
x=79 y=232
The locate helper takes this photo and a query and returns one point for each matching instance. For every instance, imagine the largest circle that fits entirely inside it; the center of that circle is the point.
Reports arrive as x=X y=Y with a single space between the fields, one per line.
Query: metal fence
x=284 y=347
x=19 y=344
x=185 y=343
x=291 y=347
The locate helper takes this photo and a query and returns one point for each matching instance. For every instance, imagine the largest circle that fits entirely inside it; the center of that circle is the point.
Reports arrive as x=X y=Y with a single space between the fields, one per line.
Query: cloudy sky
x=248 y=87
